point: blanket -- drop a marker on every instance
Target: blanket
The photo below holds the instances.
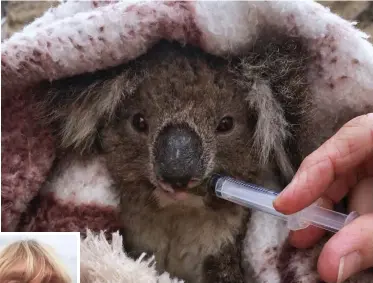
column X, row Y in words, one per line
column 83, row 36
column 104, row 261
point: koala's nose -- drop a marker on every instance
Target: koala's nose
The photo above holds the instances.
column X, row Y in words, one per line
column 178, row 152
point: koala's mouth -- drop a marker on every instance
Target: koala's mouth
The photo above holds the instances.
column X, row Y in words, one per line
column 181, row 193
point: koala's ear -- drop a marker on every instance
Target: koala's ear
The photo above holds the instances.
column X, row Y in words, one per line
column 271, row 131
column 274, row 77
column 75, row 106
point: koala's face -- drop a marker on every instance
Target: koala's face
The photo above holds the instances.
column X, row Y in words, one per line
column 185, row 121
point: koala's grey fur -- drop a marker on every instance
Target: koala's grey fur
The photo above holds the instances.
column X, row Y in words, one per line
column 265, row 91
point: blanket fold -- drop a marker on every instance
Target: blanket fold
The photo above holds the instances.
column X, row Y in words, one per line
column 106, row 262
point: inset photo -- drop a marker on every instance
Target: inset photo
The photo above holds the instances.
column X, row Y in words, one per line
column 40, row 257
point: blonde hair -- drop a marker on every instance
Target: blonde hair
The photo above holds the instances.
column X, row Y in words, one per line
column 28, row 261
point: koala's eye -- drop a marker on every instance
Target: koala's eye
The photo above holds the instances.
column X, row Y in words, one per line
column 225, row 125
column 139, row 123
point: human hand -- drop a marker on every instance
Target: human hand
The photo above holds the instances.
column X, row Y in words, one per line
column 342, row 165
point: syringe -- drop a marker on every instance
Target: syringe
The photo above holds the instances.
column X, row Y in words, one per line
column 259, row 198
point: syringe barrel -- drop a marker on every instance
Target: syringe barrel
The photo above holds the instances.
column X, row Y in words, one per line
column 259, row 198
column 245, row 194
column 330, row 220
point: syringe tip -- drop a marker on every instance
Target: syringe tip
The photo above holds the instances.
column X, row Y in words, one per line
column 212, row 182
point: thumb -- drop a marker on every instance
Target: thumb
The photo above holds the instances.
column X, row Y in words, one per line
column 348, row 252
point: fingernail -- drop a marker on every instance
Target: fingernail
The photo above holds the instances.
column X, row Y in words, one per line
column 276, row 201
column 348, row 265
column 284, row 192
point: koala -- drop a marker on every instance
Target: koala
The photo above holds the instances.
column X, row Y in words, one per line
column 165, row 122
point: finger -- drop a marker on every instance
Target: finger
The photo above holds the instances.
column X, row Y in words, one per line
column 348, row 252
column 338, row 189
column 308, row 237
column 351, row 146
column 361, row 197
column 369, row 167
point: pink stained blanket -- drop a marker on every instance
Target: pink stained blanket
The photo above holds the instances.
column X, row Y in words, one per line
column 78, row 37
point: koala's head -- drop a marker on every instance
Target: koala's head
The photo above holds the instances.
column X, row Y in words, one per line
column 186, row 119
column 170, row 118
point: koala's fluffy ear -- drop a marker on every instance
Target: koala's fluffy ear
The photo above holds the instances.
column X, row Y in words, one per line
column 271, row 131
column 75, row 106
column 274, row 79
